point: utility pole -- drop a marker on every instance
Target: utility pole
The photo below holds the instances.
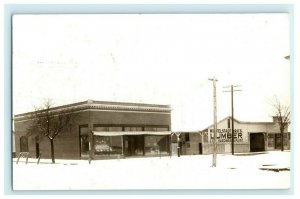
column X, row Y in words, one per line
column 214, row 164
column 232, row 114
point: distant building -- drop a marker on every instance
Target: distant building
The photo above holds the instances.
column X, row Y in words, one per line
column 248, row 137
column 102, row 130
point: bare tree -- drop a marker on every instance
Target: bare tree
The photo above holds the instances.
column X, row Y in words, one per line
column 282, row 113
column 49, row 122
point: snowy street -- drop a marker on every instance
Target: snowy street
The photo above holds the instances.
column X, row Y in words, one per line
column 268, row 170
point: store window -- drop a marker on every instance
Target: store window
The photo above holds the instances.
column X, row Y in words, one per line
column 156, row 145
column 115, row 128
column 116, row 145
column 187, row 137
column 108, row 145
column 107, row 128
column 271, row 140
column 133, row 128
column 277, row 141
column 162, row 129
column 101, row 128
column 285, row 139
column 156, row 129
column 102, row 145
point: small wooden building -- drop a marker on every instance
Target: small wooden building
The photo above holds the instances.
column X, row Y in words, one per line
column 248, row 137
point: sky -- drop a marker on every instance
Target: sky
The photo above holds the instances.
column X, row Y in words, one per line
column 157, row 59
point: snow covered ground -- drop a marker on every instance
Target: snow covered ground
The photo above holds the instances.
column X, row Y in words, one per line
column 185, row 172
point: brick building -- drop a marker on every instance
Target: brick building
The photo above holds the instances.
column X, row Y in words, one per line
column 102, row 130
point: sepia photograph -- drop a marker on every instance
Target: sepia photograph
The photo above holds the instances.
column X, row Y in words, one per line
column 151, row 101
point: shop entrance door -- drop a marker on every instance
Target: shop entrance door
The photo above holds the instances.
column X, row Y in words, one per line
column 257, row 142
column 134, row 145
column 37, row 147
column 200, row 148
column 84, row 145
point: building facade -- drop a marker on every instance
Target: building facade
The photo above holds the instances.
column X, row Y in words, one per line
column 248, row 137
column 101, row 130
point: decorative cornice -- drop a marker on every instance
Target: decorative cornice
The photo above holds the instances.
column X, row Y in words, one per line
column 129, row 108
column 99, row 105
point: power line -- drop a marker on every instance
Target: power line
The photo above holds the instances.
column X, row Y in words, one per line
column 232, row 90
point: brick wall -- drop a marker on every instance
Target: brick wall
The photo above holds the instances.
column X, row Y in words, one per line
column 67, row 144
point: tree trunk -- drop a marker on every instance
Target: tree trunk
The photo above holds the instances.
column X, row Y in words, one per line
column 282, row 145
column 52, row 150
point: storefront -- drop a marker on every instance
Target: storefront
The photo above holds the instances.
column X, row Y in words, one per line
column 247, row 137
column 130, row 143
column 102, row 130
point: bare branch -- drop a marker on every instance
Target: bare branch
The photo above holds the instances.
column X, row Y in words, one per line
column 282, row 113
column 50, row 122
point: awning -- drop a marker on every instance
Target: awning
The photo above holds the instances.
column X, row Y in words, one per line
column 118, row 133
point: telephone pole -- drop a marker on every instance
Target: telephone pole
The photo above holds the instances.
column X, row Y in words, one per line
column 214, row 164
column 232, row 114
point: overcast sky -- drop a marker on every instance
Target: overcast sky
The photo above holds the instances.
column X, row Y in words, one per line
column 164, row 59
